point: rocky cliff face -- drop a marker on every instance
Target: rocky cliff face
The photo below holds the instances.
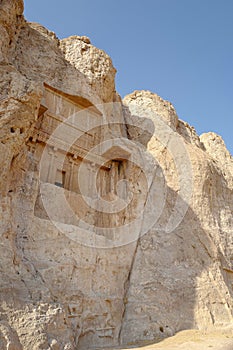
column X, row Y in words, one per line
column 116, row 217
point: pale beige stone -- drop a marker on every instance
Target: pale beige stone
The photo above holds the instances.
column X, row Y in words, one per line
column 79, row 271
column 94, row 63
column 154, row 105
column 216, row 148
column 11, row 19
column 167, row 273
column 193, row 340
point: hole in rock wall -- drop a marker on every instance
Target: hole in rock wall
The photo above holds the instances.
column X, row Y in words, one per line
column 161, row 329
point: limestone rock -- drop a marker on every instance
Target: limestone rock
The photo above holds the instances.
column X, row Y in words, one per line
column 165, row 261
column 95, row 64
column 116, row 221
column 45, row 32
column 147, row 103
column 216, row 148
column 38, row 57
column 10, row 21
column 20, row 97
column 139, row 129
column 189, row 133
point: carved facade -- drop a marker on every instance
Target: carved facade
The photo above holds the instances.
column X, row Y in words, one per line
column 67, row 135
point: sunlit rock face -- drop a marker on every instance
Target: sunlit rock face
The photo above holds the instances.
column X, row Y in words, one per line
column 116, row 218
column 94, row 63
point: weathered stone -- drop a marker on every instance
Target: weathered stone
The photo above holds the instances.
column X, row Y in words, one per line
column 95, row 64
column 216, row 148
column 146, row 104
column 10, row 23
column 167, row 289
column 116, row 219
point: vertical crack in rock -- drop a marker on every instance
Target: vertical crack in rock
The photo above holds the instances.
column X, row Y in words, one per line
column 127, row 282
column 126, row 289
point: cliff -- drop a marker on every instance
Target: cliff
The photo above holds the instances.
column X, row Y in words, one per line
column 116, row 217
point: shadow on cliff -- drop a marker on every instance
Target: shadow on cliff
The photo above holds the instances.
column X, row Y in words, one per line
column 178, row 281
column 172, row 276
column 170, row 286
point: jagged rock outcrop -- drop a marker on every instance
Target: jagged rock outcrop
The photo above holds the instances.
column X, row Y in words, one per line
column 116, row 218
column 169, row 281
column 11, row 14
column 216, row 148
column 95, row 64
column 147, row 104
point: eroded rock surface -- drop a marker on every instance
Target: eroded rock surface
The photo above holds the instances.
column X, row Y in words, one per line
column 146, row 252
column 94, row 63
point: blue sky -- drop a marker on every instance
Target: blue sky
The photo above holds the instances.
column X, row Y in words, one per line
column 179, row 49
